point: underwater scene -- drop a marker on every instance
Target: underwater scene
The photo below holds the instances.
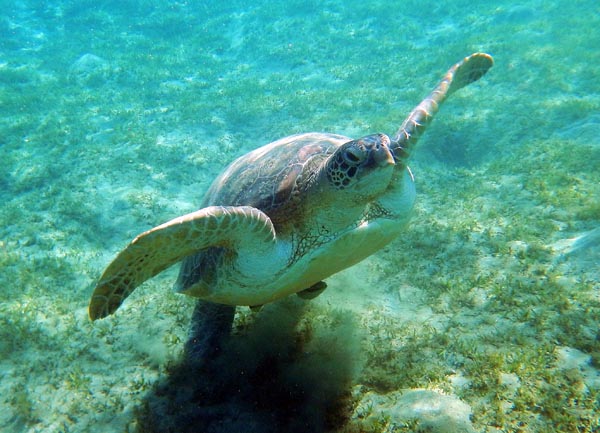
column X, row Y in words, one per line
column 481, row 316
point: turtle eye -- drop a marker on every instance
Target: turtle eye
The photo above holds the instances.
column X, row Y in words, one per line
column 354, row 156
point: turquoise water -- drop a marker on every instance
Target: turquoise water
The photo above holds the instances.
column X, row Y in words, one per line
column 116, row 116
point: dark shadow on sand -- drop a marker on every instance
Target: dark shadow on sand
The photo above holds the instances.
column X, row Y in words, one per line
column 276, row 374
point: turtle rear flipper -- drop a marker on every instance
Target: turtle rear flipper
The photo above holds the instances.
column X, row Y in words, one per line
column 240, row 228
column 313, row 291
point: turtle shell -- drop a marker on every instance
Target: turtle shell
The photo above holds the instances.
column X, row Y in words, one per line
column 272, row 178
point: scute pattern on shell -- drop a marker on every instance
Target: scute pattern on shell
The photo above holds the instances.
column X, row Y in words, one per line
column 272, row 178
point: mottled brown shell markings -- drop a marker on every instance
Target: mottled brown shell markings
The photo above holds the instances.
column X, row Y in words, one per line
column 271, row 186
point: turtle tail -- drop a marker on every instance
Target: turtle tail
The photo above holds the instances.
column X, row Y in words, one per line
column 468, row 70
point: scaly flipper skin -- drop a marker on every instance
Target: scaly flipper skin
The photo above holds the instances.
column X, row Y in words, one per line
column 242, row 228
column 468, row 70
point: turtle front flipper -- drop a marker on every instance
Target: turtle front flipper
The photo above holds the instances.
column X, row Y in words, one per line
column 468, row 70
column 232, row 227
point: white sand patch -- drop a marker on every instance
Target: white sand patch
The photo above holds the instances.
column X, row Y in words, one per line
column 360, row 288
column 426, row 409
column 569, row 358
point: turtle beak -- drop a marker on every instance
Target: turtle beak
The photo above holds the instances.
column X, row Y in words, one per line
column 383, row 156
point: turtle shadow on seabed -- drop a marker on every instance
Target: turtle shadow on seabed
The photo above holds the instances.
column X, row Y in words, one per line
column 273, row 375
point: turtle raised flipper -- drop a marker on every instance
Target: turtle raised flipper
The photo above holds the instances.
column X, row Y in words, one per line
column 468, row 70
column 242, row 228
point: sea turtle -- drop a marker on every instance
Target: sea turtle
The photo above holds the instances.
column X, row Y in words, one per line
column 284, row 217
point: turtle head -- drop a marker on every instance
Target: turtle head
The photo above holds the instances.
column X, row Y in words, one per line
column 363, row 166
